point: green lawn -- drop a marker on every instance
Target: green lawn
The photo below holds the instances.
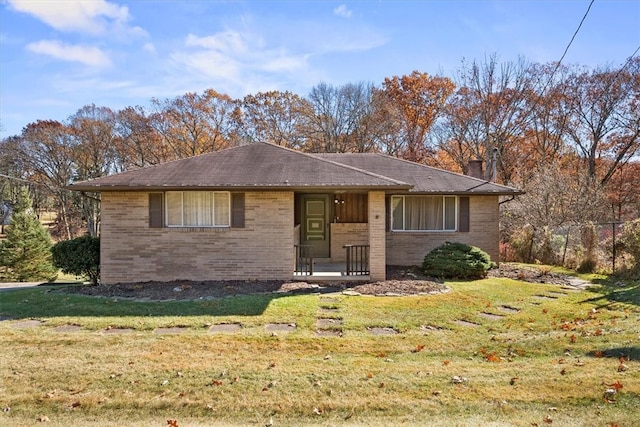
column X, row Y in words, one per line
column 490, row 352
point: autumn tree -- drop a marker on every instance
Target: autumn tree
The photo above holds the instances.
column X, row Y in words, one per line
column 94, row 155
column 605, row 122
column 275, row 117
column 340, row 118
column 194, row 124
column 487, row 115
column 419, row 100
column 137, row 143
column 46, row 150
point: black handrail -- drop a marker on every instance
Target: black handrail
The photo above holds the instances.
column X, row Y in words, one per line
column 304, row 259
column 357, row 260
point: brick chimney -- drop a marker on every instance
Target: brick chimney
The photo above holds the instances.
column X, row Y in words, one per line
column 474, row 169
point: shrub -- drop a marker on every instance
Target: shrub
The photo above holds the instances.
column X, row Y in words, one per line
column 629, row 241
column 80, row 256
column 457, row 260
column 26, row 251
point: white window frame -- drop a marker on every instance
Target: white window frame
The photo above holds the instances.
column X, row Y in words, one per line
column 444, row 217
column 213, row 198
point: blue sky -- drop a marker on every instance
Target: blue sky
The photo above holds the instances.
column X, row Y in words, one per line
column 58, row 56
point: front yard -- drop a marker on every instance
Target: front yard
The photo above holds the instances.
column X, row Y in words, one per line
column 488, row 352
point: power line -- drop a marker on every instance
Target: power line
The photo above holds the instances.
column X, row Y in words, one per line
column 575, row 33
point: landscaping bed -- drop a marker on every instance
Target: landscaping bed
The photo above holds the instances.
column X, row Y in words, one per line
column 401, row 280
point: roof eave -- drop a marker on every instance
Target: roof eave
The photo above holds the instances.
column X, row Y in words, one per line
column 261, row 187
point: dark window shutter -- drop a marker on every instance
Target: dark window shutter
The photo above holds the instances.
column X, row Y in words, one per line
column 463, row 219
column 156, row 210
column 237, row 210
column 387, row 213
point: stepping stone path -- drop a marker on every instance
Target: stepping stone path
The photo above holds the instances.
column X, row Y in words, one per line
column 383, row 331
column 491, row 316
column 328, row 324
column 280, row 327
column 467, row 323
column 509, row 309
column 225, row 328
column 27, row 324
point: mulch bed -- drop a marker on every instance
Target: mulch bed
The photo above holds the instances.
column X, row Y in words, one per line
column 400, row 281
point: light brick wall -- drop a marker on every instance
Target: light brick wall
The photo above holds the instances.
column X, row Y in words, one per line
column 377, row 251
column 409, row 248
column 347, row 234
column 133, row 252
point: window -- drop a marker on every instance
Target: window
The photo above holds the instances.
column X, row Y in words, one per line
column 198, row 209
column 423, row 213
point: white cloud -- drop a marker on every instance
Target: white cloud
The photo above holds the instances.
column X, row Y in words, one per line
column 343, row 11
column 149, row 47
column 88, row 55
column 92, row 17
column 233, row 55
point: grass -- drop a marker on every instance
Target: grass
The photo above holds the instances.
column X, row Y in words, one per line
column 550, row 357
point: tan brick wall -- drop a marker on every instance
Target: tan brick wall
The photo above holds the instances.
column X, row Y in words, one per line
column 377, row 252
column 409, row 248
column 133, row 252
column 347, row 234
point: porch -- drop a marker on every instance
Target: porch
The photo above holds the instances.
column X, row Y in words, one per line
column 354, row 269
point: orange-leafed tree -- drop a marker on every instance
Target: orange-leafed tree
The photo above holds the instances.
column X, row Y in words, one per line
column 194, row 124
column 419, row 100
column 137, row 143
column 275, row 117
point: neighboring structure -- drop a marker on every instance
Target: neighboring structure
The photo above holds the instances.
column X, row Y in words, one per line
column 6, row 211
column 259, row 211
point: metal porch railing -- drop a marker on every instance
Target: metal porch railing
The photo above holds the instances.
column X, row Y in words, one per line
column 304, row 259
column 357, row 260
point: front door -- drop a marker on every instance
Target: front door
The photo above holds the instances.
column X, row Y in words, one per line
column 315, row 224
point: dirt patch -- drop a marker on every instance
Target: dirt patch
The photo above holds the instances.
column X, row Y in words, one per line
column 530, row 274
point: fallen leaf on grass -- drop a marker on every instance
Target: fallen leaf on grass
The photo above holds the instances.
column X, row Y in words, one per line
column 616, row 386
column 513, row 380
column 492, row 357
column 446, row 362
column 418, row 349
column 172, row 423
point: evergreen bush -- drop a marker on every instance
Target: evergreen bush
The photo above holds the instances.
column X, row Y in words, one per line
column 79, row 256
column 26, row 252
column 457, row 260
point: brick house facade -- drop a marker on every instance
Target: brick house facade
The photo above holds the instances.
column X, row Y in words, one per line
column 238, row 214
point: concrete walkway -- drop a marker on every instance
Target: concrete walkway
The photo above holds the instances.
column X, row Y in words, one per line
column 11, row 286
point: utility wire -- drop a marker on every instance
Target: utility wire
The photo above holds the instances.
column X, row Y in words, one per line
column 553, row 73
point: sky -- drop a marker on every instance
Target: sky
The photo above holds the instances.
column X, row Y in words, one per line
column 57, row 56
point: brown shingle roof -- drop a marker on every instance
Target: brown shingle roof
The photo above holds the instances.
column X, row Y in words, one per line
column 271, row 167
column 252, row 166
column 424, row 179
